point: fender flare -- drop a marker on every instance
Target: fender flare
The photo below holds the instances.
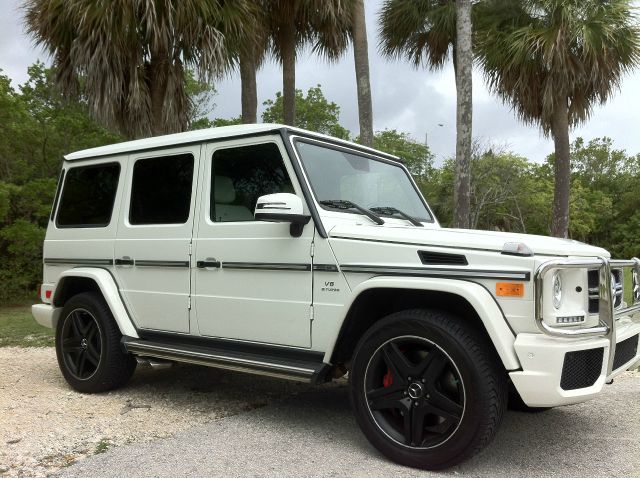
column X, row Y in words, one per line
column 110, row 292
column 478, row 297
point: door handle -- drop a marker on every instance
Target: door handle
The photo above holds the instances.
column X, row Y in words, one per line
column 124, row 261
column 208, row 262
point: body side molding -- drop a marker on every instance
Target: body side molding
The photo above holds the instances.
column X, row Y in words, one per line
column 445, row 272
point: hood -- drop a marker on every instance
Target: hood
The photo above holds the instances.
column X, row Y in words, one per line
column 466, row 239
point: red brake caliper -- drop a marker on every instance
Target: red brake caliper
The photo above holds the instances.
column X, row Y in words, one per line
column 387, row 380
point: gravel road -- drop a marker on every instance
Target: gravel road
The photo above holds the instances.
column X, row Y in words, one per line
column 190, row 421
column 45, row 426
column 314, row 434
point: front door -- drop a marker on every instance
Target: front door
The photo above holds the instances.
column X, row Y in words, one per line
column 154, row 235
column 254, row 280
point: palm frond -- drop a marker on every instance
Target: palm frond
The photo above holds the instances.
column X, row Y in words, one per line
column 420, row 31
column 125, row 50
column 538, row 54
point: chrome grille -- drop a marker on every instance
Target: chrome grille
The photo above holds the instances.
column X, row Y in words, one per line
column 594, row 293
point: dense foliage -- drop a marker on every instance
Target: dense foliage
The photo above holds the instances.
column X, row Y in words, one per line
column 313, row 112
column 510, row 193
column 37, row 127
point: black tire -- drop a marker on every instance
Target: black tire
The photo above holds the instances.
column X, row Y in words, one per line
column 516, row 403
column 88, row 346
column 459, row 388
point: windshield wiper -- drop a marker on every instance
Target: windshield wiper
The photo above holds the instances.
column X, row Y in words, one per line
column 390, row 211
column 342, row 204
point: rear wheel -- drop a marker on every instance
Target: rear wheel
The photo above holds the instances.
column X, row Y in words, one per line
column 426, row 391
column 88, row 346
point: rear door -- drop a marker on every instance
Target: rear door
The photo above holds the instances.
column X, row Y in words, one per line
column 152, row 250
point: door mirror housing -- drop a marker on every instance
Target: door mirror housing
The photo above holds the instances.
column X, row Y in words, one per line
column 282, row 207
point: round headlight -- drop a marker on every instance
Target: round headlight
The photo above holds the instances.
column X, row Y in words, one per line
column 557, row 290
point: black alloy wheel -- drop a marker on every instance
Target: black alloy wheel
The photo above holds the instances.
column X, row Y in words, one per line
column 414, row 392
column 81, row 344
column 88, row 345
column 427, row 387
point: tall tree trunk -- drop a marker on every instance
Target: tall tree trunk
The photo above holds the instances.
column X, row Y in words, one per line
column 249, row 94
column 289, row 74
column 464, row 114
column 361, row 60
column 562, row 170
column 157, row 93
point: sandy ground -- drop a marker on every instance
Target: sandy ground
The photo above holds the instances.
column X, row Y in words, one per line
column 44, row 425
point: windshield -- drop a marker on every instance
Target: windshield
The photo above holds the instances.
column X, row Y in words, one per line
column 370, row 183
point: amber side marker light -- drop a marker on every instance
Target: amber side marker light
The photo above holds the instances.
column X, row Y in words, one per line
column 510, row 289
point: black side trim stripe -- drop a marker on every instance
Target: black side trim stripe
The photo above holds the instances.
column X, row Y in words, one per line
column 84, row 262
column 152, row 263
column 325, row 267
column 437, row 272
column 266, row 266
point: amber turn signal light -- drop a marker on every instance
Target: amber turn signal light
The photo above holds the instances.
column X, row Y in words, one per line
column 510, row 289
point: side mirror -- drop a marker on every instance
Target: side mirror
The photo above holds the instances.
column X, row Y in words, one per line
column 282, row 207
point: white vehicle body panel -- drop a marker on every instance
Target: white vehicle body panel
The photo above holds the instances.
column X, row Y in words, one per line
column 157, row 294
column 475, row 294
column 109, row 290
column 263, row 287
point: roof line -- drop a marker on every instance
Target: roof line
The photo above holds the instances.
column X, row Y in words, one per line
column 208, row 135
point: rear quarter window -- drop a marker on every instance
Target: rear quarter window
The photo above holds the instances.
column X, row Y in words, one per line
column 88, row 196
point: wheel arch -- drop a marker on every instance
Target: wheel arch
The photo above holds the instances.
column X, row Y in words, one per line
column 380, row 296
column 88, row 279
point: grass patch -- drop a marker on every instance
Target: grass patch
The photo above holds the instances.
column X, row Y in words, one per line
column 18, row 328
column 102, row 446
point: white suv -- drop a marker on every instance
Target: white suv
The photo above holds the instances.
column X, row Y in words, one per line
column 277, row 251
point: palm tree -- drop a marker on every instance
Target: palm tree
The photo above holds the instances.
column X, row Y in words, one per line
column 132, row 56
column 426, row 33
column 363, row 83
column 464, row 113
column 292, row 24
column 553, row 60
column 248, row 55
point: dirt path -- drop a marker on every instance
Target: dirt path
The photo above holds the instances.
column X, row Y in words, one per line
column 45, row 426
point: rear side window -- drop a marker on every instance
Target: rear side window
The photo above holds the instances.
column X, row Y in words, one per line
column 88, row 196
column 161, row 190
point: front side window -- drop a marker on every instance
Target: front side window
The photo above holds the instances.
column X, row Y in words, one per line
column 239, row 176
column 338, row 175
column 88, row 196
column 161, row 190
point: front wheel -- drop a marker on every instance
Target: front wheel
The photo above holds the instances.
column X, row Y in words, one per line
column 88, row 346
column 426, row 390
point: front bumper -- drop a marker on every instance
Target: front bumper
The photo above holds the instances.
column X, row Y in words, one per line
column 549, row 374
column 570, row 365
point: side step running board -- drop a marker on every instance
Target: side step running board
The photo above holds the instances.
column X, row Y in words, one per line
column 292, row 369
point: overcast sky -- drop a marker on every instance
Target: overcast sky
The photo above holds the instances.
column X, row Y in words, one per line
column 415, row 101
